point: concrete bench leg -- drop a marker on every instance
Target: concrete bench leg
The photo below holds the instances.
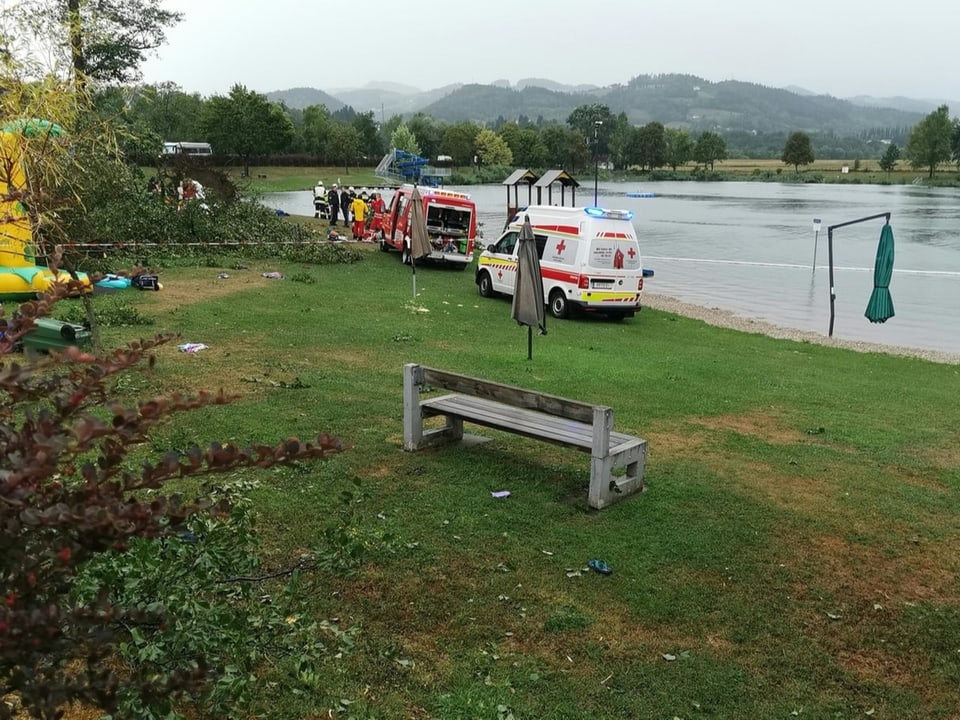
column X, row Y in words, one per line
column 415, row 437
column 607, row 488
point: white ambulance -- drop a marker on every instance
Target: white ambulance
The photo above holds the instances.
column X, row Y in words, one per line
column 589, row 260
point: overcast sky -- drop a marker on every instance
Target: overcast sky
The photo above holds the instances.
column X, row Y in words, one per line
column 838, row 47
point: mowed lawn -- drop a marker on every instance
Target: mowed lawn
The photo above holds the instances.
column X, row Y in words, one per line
column 795, row 553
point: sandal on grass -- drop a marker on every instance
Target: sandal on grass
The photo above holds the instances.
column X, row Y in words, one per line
column 600, row 566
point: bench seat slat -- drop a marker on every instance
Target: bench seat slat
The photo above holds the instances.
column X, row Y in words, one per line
column 531, row 423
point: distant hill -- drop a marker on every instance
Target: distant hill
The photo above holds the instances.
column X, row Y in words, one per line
column 925, row 106
column 388, row 98
column 392, row 87
column 551, row 85
column 301, row 97
column 684, row 101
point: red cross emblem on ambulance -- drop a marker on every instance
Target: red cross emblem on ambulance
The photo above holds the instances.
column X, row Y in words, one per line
column 561, row 246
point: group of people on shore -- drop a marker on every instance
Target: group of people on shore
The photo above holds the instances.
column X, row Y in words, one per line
column 186, row 190
column 362, row 212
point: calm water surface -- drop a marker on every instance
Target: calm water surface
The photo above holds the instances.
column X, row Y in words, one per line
column 749, row 248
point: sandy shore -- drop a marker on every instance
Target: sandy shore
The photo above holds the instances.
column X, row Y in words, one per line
column 726, row 319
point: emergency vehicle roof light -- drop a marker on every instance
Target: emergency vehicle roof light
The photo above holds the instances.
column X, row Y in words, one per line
column 611, row 214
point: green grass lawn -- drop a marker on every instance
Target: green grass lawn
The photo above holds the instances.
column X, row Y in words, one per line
column 795, row 553
column 281, row 179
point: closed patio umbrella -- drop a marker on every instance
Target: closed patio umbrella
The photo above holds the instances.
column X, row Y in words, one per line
column 528, row 305
column 880, row 307
column 417, row 230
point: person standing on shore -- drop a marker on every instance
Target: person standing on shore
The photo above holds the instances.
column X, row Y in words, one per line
column 358, row 208
column 345, row 200
column 333, row 203
column 377, row 207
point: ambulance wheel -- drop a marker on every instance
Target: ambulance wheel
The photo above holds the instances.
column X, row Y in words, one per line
column 405, row 256
column 383, row 245
column 559, row 307
column 486, row 285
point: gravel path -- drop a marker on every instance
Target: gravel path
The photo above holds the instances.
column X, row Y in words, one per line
column 727, row 319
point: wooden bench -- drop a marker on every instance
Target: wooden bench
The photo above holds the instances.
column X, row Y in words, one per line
column 557, row 420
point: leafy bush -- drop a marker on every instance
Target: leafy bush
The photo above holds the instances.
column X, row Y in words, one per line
column 109, row 311
column 211, row 606
column 76, row 492
column 120, row 221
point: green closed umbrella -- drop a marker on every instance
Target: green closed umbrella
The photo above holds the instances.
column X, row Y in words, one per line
column 33, row 127
column 880, row 307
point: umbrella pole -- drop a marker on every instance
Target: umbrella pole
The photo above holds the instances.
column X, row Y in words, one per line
column 413, row 265
column 529, row 343
column 830, row 229
column 833, row 294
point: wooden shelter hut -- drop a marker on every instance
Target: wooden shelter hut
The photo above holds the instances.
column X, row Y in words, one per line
column 556, row 177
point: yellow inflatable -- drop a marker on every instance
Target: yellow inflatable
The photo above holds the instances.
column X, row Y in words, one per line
column 20, row 277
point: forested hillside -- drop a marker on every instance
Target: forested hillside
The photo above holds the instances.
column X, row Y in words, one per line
column 682, row 101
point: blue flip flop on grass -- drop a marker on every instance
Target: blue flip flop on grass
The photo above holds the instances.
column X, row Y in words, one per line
column 600, row 566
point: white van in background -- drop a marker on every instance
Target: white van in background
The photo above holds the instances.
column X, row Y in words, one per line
column 193, row 149
column 589, row 260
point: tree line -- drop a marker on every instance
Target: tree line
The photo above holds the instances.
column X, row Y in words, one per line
column 246, row 125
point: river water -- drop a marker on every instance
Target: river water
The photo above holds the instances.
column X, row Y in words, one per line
column 749, row 248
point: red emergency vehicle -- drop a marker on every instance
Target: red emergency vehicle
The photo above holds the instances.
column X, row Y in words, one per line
column 451, row 224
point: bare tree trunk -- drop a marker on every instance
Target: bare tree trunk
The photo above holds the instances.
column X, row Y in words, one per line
column 79, row 61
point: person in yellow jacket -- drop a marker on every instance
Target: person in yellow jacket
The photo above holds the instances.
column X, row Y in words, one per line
column 359, row 210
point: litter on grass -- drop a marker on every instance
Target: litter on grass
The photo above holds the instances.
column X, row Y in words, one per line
column 500, row 493
column 273, row 275
column 192, row 347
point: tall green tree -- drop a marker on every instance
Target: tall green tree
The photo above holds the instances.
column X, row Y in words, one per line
column 428, row 133
column 955, row 142
column 584, row 118
column 459, row 142
column 404, row 139
column 566, row 147
column 930, row 141
column 344, row 144
column 889, row 160
column 169, row 112
column 371, row 149
column 492, row 149
column 797, row 151
column 709, row 148
column 618, row 142
column 679, row 147
column 650, row 146
column 246, row 124
column 316, row 130
column 105, row 41
column 531, row 151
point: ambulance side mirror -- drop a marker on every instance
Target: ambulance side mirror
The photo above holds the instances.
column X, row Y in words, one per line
column 492, row 247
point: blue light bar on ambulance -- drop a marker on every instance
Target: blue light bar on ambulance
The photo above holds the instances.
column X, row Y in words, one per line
column 610, row 214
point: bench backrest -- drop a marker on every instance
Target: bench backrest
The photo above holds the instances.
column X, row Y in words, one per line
column 508, row 394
